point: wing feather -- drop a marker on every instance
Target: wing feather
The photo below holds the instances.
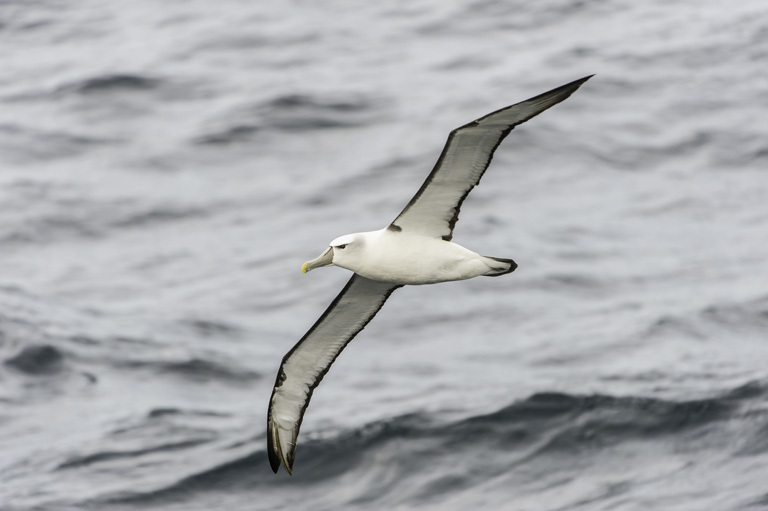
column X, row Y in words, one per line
column 305, row 365
column 434, row 210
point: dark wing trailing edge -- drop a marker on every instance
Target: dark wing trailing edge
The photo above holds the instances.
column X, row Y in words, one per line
column 305, row 365
column 434, row 209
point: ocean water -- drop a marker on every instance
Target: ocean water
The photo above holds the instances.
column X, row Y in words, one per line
column 165, row 168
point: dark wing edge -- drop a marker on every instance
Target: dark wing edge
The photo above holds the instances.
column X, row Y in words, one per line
column 530, row 108
column 360, row 293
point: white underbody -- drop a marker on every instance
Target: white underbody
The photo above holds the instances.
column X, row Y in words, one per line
column 402, row 258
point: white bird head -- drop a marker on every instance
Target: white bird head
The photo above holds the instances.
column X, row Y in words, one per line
column 345, row 251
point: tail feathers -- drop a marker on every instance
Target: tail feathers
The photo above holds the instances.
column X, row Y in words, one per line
column 498, row 266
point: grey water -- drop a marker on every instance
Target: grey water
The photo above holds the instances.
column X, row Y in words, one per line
column 166, row 167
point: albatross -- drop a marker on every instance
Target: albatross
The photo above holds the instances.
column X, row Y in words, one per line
column 414, row 249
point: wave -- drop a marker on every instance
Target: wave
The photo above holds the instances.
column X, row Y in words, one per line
column 195, row 369
column 212, row 328
column 158, row 215
column 87, row 219
column 101, row 456
column 39, row 359
column 99, row 87
column 290, row 113
column 111, row 83
column 545, row 429
column 750, row 316
column 23, row 143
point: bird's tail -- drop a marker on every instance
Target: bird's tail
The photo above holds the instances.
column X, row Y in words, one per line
column 498, row 266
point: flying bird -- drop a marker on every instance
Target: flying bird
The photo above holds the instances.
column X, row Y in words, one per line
column 416, row 248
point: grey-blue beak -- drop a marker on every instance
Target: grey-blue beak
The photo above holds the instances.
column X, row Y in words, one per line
column 324, row 259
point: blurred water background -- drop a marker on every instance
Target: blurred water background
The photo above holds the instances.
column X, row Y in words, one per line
column 166, row 167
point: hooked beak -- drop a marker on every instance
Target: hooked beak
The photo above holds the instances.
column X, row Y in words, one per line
column 324, row 259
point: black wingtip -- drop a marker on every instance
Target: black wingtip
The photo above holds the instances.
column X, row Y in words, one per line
column 565, row 90
column 581, row 80
column 537, row 104
column 570, row 87
column 275, row 466
column 274, row 458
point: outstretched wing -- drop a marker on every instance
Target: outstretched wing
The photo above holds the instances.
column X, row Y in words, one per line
column 434, row 209
column 305, row 365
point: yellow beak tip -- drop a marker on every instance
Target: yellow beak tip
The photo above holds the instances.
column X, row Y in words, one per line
column 304, row 268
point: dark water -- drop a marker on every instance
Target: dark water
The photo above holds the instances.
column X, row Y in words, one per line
column 165, row 168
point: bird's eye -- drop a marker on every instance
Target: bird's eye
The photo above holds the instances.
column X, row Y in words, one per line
column 342, row 246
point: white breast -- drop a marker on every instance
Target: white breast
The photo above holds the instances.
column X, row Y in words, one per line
column 402, row 258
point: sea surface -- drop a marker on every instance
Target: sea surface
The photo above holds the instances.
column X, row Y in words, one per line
column 166, row 167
